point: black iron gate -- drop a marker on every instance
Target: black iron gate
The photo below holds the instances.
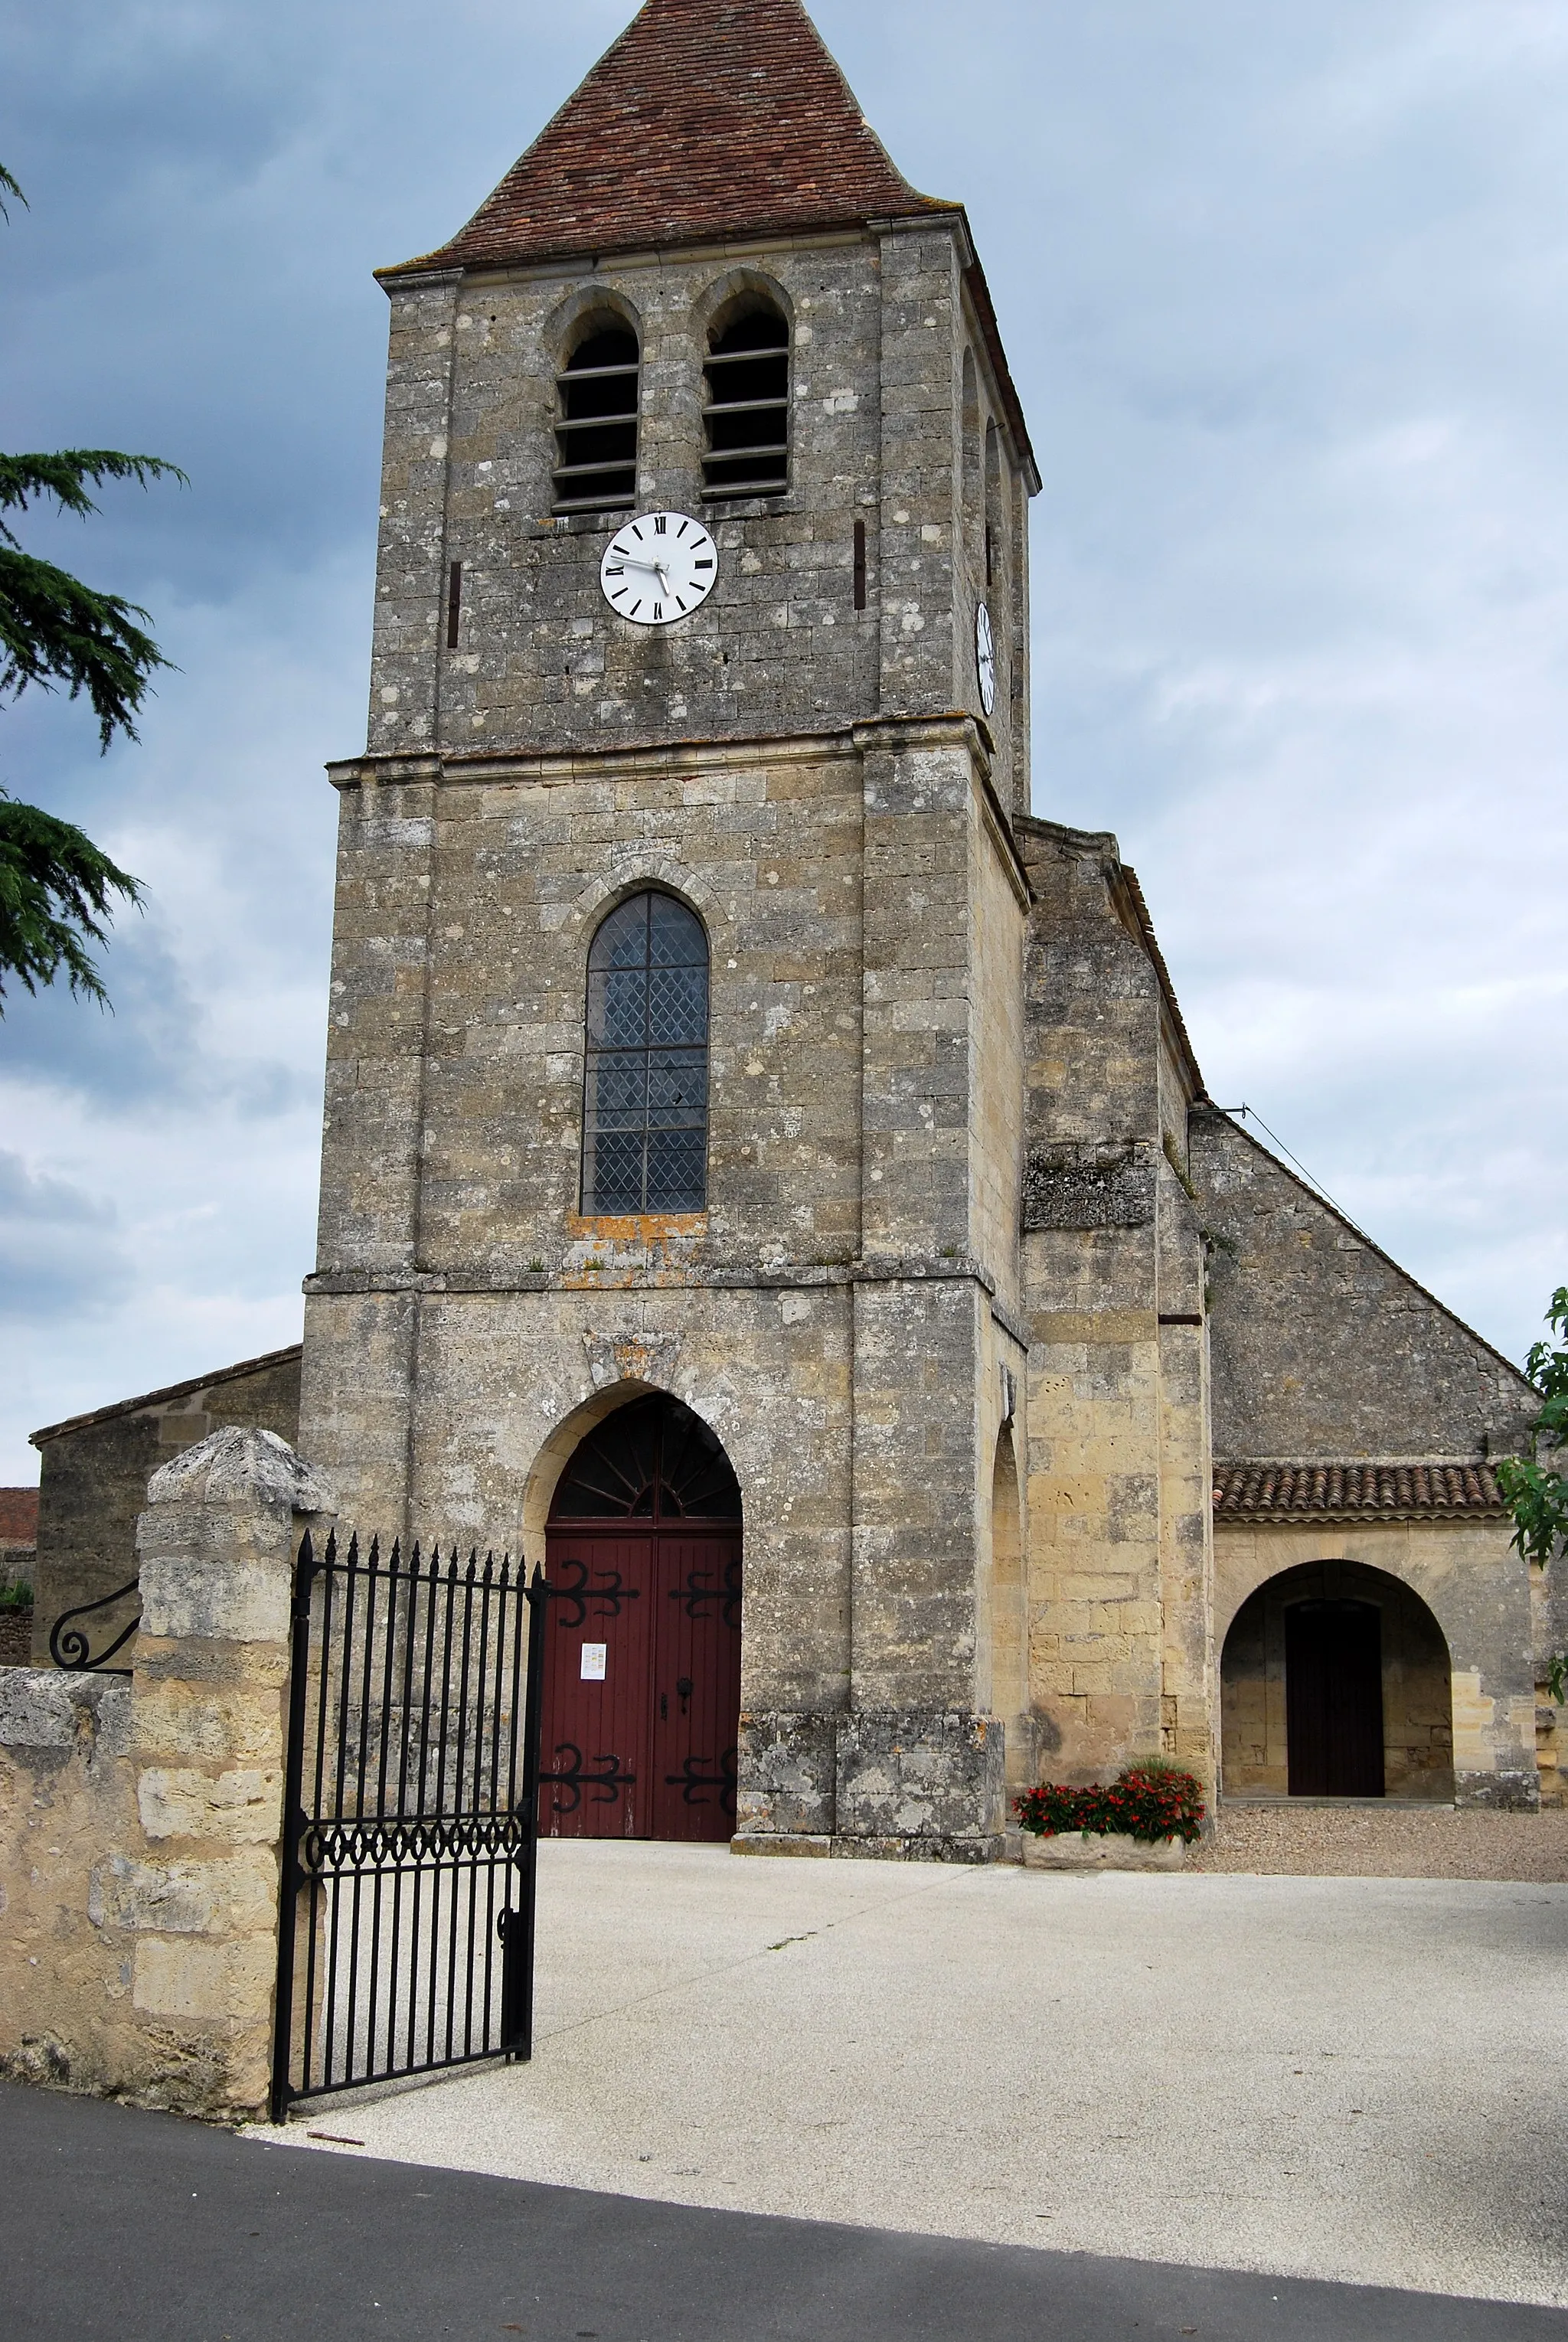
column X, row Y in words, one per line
column 411, row 1818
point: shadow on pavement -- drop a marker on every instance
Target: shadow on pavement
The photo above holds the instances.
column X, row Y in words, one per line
column 151, row 2229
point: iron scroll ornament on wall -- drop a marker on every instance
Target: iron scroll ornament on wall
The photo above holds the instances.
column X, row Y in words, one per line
column 698, row 1592
column 71, row 1649
column 610, row 1591
column 693, row 1781
column 576, row 1778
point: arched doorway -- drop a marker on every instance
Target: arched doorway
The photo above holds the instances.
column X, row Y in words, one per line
column 1335, row 1682
column 642, row 1681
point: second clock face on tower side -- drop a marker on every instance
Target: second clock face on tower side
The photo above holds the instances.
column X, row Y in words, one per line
column 986, row 658
column 659, row 569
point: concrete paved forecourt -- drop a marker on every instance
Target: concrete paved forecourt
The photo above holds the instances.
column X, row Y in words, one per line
column 1357, row 2079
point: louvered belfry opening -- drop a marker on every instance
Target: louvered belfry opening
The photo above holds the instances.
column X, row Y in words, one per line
column 646, row 1119
column 600, row 394
column 746, row 412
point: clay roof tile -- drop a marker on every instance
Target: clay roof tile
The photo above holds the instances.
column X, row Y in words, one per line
column 1310, row 1490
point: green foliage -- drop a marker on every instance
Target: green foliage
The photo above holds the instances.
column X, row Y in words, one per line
column 1149, row 1802
column 55, row 891
column 58, row 633
column 1548, row 1370
column 1536, row 1494
column 1538, row 1500
column 16, row 1596
column 53, row 630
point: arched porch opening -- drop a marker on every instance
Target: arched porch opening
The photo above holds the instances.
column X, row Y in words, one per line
column 1335, row 1682
column 642, row 1663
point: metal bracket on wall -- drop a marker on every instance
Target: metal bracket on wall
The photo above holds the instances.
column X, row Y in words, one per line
column 71, row 1649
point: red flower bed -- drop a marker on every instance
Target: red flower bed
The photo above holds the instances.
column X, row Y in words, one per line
column 1148, row 1807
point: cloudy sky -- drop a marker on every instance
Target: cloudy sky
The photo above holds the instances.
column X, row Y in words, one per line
column 1283, row 289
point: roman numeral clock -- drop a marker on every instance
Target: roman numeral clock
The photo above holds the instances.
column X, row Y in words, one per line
column 659, row 569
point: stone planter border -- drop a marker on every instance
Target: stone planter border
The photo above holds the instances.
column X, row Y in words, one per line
column 1114, row 1850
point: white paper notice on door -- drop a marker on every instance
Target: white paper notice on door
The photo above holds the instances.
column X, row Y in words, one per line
column 596, row 1659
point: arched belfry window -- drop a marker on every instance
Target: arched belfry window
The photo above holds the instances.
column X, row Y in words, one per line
column 646, row 1119
column 599, row 390
column 746, row 408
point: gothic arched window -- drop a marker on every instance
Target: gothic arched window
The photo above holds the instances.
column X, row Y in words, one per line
column 599, row 388
column 646, row 1103
column 745, row 407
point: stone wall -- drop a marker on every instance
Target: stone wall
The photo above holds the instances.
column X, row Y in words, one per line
column 18, row 1572
column 95, row 1469
column 1323, row 1347
column 140, row 1819
column 18, row 1536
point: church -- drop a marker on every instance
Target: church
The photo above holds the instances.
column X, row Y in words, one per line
column 766, row 1175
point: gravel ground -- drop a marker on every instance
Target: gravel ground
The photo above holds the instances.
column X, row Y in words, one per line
column 1354, row 2078
column 1400, row 1842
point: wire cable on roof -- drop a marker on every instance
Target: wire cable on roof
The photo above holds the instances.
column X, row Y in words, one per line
column 1249, row 1113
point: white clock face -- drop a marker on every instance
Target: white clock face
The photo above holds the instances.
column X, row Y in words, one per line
column 986, row 658
column 659, row 569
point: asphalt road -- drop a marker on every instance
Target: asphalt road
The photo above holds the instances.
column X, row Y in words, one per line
column 149, row 2229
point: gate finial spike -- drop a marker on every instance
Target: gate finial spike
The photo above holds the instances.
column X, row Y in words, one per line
column 489, row 1568
column 354, row 1549
column 472, row 1564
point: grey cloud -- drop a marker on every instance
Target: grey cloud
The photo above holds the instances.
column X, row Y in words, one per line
column 60, row 1252
column 148, row 1051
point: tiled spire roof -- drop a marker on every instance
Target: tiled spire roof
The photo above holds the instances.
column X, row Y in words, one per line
column 706, row 119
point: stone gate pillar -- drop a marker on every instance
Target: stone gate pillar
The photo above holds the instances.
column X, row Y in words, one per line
column 208, row 1718
column 141, row 1824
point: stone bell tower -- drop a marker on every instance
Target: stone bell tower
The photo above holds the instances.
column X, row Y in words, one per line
column 704, row 296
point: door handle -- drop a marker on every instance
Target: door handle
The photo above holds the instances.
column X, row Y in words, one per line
column 685, row 1688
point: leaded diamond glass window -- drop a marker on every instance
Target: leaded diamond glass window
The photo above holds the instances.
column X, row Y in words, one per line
column 645, row 1123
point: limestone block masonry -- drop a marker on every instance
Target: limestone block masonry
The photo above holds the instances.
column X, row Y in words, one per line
column 141, row 1820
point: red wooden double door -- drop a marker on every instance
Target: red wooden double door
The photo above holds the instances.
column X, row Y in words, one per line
column 642, row 1660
